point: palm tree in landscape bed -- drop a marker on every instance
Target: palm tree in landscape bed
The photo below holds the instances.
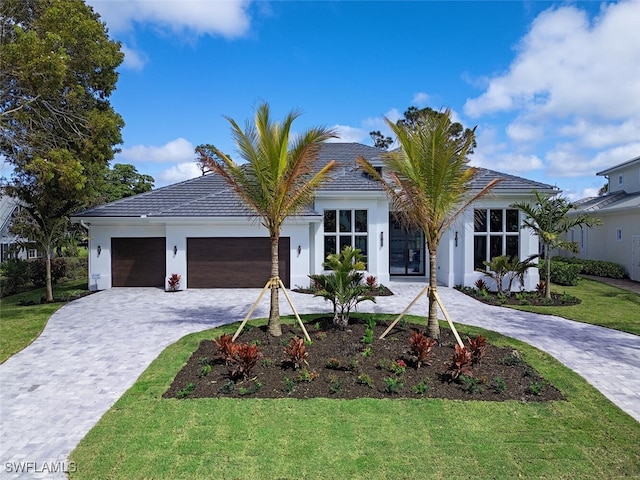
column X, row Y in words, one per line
column 429, row 182
column 548, row 219
column 278, row 179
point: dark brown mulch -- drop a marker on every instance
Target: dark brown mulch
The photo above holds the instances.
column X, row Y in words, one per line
column 500, row 375
column 520, row 299
column 377, row 291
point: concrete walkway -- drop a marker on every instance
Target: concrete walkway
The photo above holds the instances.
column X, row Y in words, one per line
column 55, row 390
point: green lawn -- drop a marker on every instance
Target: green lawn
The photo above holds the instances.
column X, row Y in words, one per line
column 21, row 325
column 145, row 436
column 601, row 304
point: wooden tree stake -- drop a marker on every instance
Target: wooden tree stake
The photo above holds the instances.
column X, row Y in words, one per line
column 274, row 282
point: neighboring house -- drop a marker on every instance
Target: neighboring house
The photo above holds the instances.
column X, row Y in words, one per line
column 618, row 238
column 201, row 230
column 10, row 244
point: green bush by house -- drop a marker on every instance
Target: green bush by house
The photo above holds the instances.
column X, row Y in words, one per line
column 599, row 268
column 562, row 273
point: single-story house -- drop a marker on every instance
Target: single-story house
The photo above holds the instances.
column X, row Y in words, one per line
column 201, row 230
column 618, row 238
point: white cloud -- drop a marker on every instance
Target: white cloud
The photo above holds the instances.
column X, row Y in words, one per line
column 178, row 150
column 133, row 59
column 421, row 99
column 569, row 66
column 523, row 132
column 347, row 133
column 229, row 18
column 178, row 173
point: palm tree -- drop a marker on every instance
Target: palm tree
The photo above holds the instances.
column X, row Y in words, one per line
column 548, row 219
column 430, row 184
column 278, row 179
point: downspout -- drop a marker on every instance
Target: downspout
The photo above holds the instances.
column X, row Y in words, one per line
column 86, row 227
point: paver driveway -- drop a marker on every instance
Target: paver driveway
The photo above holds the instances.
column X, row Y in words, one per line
column 94, row 349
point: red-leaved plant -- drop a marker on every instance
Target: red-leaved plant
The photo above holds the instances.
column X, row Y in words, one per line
column 372, row 281
column 173, row 282
column 246, row 357
column 297, row 352
column 421, row 346
column 460, row 363
column 226, row 347
column 478, row 348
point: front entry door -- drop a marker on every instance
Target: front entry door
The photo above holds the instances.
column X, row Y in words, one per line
column 406, row 249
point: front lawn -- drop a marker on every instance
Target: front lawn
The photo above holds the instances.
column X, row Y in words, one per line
column 146, row 436
column 20, row 325
column 602, row 304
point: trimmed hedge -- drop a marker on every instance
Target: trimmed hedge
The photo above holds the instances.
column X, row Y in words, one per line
column 562, row 273
column 599, row 268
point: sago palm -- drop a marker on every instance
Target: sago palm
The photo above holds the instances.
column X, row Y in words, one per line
column 429, row 182
column 278, row 179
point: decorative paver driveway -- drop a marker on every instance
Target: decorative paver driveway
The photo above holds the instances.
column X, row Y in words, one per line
column 94, row 349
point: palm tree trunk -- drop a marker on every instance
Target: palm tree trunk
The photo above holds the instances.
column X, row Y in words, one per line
column 547, row 287
column 433, row 327
column 274, row 312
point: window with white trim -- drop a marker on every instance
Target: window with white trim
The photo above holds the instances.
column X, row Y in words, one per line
column 618, row 235
column 496, row 233
column 345, row 227
column 620, row 179
column 32, row 253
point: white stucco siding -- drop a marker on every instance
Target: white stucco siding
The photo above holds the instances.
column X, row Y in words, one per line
column 100, row 240
column 377, row 228
column 528, row 243
column 602, row 242
column 177, row 233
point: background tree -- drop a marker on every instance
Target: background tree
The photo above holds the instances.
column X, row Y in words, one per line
column 278, row 179
column 57, row 127
column 380, row 141
column 123, row 180
column 548, row 218
column 430, row 183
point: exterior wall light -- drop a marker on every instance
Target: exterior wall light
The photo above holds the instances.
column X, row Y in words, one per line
column 99, row 250
column 456, row 239
column 299, row 250
column 175, row 250
column 381, row 239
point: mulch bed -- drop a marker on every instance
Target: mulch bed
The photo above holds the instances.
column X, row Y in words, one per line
column 521, row 299
column 344, row 367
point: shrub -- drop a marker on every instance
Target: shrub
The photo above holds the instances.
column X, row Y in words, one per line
column 246, row 357
column 599, row 268
column 14, row 274
column 38, row 270
column 174, row 282
column 297, row 352
column 460, row 363
column 372, row 281
column 421, row 346
column 226, row 347
column 477, row 347
column 393, row 384
column 480, row 285
column 562, row 273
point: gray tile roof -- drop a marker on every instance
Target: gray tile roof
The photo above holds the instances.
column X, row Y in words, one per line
column 509, row 183
column 610, row 203
column 619, row 166
column 210, row 196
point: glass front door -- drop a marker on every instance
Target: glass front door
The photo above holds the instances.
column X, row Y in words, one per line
column 406, row 249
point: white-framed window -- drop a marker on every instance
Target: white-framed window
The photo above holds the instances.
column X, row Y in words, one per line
column 32, row 253
column 496, row 232
column 345, row 227
column 620, row 179
column 618, row 234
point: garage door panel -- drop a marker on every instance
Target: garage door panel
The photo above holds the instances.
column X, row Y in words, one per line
column 138, row 262
column 218, row 262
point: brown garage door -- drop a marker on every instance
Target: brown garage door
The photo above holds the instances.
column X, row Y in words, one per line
column 233, row 262
column 138, row 262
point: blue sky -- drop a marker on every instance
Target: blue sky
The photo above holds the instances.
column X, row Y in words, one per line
column 554, row 88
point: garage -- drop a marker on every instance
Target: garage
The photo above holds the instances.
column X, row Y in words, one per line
column 138, row 262
column 217, row 262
